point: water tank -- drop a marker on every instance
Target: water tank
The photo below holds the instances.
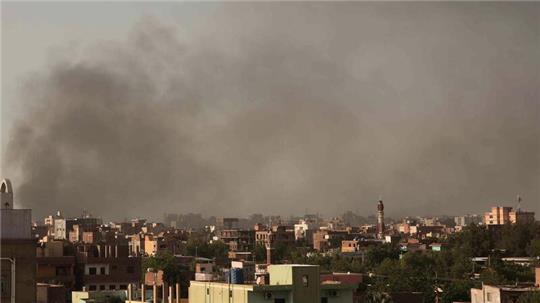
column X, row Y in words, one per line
column 236, row 276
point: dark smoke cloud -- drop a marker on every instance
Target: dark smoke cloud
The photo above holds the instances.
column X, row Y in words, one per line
column 279, row 108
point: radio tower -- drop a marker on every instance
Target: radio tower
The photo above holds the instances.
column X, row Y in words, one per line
column 380, row 219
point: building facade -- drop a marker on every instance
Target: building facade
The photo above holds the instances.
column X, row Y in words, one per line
column 17, row 250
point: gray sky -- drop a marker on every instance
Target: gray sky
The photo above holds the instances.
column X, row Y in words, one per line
column 270, row 107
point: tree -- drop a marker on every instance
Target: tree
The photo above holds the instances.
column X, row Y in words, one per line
column 378, row 297
column 533, row 249
column 457, row 291
column 376, row 254
column 532, row 297
column 172, row 269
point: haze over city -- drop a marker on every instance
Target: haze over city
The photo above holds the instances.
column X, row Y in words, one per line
column 237, row 108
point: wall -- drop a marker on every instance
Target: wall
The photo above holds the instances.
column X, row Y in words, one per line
column 16, row 223
column 219, row 293
column 24, row 252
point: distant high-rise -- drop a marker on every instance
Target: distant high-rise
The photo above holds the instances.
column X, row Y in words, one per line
column 380, row 220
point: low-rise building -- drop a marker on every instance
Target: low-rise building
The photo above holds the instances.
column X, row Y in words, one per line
column 288, row 283
column 499, row 293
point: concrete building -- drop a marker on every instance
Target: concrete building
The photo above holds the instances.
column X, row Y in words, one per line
column 350, row 246
column 55, row 266
column 282, row 235
column 60, row 230
column 467, row 220
column 519, row 216
column 51, row 293
column 238, row 239
column 288, row 283
column 106, row 266
column 500, row 215
column 17, row 250
column 304, row 230
column 499, row 293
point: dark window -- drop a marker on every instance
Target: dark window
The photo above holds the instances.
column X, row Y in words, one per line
column 112, row 286
column 324, row 300
column 102, row 271
column 123, row 286
column 92, row 271
column 5, row 285
column 130, row 269
column 92, row 287
column 279, row 300
column 102, row 287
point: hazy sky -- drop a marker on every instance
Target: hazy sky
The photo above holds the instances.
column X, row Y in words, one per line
column 136, row 109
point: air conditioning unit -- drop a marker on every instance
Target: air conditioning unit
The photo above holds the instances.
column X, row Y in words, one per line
column 268, row 295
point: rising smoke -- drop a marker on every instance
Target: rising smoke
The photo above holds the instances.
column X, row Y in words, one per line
column 278, row 108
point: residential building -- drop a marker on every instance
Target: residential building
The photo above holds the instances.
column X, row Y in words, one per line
column 106, row 266
column 499, row 293
column 520, row 216
column 467, row 220
column 288, row 283
column 56, row 265
column 51, row 293
column 304, row 230
column 17, row 250
column 501, row 215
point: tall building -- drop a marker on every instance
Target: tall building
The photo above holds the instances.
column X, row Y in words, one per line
column 380, row 220
column 17, row 250
column 501, row 215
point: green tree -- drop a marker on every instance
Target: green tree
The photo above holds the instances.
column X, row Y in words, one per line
column 532, row 297
column 172, row 269
column 533, row 249
column 457, row 291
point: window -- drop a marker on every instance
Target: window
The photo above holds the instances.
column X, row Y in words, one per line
column 92, row 271
column 92, row 287
column 102, row 287
column 279, row 300
column 112, row 287
column 102, row 271
column 123, row 286
column 324, row 300
column 305, row 281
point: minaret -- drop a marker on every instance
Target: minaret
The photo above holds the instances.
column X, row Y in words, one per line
column 6, row 194
column 269, row 247
column 380, row 220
